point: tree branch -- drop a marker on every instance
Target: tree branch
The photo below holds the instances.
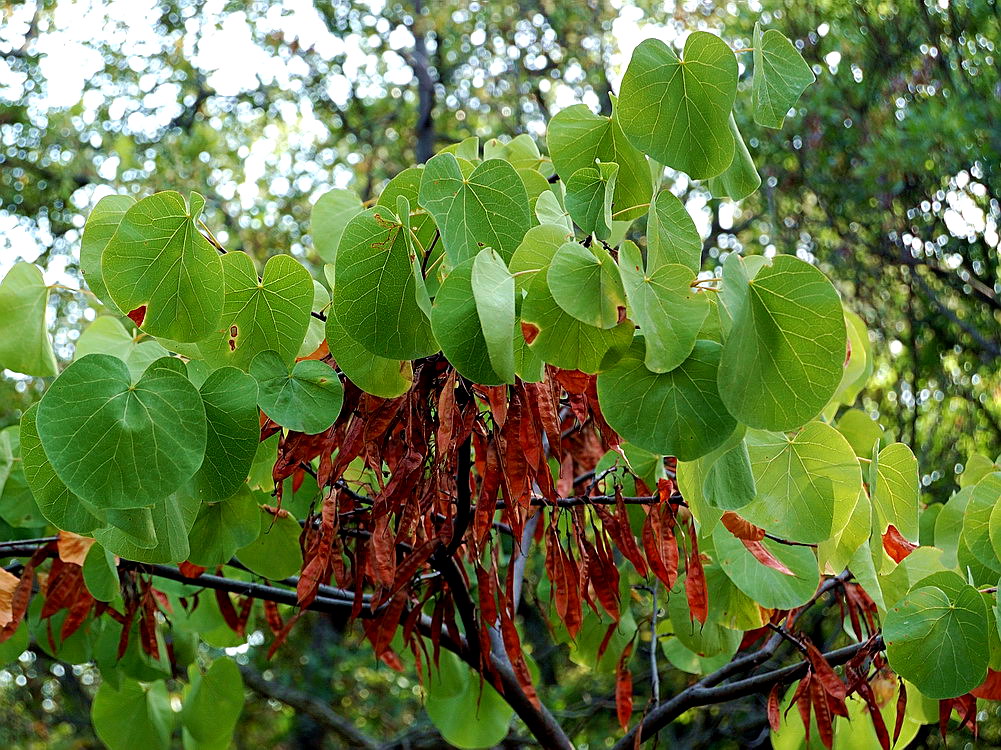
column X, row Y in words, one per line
column 317, row 710
column 709, row 691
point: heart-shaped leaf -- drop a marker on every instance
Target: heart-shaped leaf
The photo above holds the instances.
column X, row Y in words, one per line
column 152, row 430
column 678, row 413
column 663, row 303
column 158, row 259
column 271, row 312
column 489, row 208
column 306, row 398
column 677, row 110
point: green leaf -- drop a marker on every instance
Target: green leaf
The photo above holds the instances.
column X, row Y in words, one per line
column 223, row 527
column 548, row 210
column 17, row 503
column 577, row 138
column 100, row 573
column 711, row 639
column 374, row 289
column 468, row 712
column 107, row 335
column 767, row 586
column 741, row 178
column 230, row 399
column 159, row 258
column 24, row 338
column 327, row 219
column 493, row 290
column 487, row 209
column 861, row 431
column 949, row 525
column 858, row 368
column 896, row 491
column 729, row 482
column 562, row 340
column 61, row 508
column 938, row 640
column 214, row 701
column 663, row 303
column 991, row 486
column 387, row 378
column 172, row 517
column 785, row 352
column 536, row 252
column 781, row 75
column 306, row 398
column 260, row 314
column 589, row 198
column 152, row 432
column 800, row 480
column 407, row 184
column 585, row 282
column 275, row 554
column 133, row 716
column 416, row 255
column 678, row 413
column 671, row 235
column 675, row 110
column 975, row 539
column 977, row 467
column 134, row 526
column 456, row 324
column 521, row 151
column 97, row 232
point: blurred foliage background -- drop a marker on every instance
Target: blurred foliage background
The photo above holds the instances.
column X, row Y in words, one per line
column 888, row 176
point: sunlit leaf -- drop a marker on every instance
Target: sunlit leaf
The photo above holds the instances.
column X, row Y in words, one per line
column 676, row 110
column 780, row 77
column 159, row 259
column 24, row 338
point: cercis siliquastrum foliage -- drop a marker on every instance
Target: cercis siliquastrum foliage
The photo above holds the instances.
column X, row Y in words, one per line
column 513, row 372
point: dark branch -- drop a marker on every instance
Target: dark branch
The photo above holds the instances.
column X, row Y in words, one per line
column 317, row 710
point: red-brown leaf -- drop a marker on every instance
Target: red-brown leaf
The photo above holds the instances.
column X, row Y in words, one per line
column 573, row 381
column 990, row 689
column 825, row 675
column 624, row 688
column 138, row 315
column 604, row 580
column 773, row 708
column 875, row 715
column 656, row 539
column 741, row 528
column 822, row 712
column 902, row 707
column 273, row 617
column 444, row 439
column 9, row 584
column 227, row 610
column 190, row 570
column 695, row 581
column 801, row 699
column 73, row 548
column 896, row 546
column 316, row 567
column 766, row 558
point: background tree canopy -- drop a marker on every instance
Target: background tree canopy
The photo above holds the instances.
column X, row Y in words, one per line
column 887, row 176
